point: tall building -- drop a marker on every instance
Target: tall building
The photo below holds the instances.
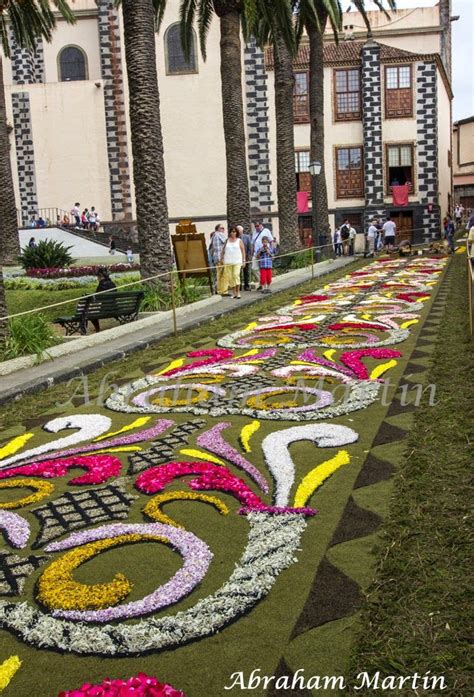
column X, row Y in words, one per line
column 387, row 119
column 463, row 162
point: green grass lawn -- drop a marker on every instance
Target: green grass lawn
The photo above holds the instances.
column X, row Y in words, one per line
column 22, row 300
column 418, row 614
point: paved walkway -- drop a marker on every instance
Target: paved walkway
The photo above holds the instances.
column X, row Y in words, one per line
column 89, row 353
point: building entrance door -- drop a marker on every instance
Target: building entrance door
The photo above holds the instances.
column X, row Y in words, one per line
column 305, row 225
column 404, row 222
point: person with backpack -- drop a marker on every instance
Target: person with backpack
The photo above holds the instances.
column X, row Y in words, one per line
column 345, row 231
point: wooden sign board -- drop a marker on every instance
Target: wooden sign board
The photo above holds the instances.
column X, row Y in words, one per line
column 190, row 251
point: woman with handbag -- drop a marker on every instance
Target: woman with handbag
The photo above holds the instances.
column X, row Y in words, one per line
column 233, row 256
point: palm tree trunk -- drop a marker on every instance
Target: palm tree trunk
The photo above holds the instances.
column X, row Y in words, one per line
column 316, row 109
column 238, row 196
column 9, row 241
column 156, row 255
column 285, row 145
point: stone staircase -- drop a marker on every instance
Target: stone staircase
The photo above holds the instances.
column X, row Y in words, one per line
column 122, row 242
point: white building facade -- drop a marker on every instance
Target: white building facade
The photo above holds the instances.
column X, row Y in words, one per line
column 387, row 118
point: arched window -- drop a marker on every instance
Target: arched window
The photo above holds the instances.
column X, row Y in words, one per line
column 176, row 62
column 72, row 64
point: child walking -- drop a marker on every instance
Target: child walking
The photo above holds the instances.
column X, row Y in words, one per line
column 265, row 262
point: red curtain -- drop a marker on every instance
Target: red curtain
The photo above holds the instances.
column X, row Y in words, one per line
column 302, row 201
column 400, row 195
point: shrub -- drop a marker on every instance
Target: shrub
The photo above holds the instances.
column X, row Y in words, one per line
column 157, row 298
column 31, row 334
column 47, row 254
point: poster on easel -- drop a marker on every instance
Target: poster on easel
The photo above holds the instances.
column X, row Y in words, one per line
column 190, row 251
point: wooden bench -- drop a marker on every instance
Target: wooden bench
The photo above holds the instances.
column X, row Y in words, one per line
column 123, row 307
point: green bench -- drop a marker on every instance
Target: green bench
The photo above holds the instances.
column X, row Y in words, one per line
column 123, row 307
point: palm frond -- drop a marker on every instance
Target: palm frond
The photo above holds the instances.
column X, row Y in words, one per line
column 275, row 15
column 29, row 20
column 206, row 12
column 187, row 12
column 159, row 7
column 360, row 6
column 308, row 13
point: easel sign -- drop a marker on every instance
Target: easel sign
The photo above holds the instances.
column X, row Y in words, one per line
column 190, row 252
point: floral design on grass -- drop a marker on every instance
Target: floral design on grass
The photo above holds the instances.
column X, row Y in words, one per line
column 140, row 685
column 339, row 335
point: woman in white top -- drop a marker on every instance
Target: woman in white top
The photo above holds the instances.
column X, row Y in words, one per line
column 233, row 256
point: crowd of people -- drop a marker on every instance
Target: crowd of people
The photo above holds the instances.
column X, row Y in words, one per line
column 451, row 226
column 236, row 256
column 379, row 235
column 39, row 222
column 344, row 239
column 87, row 220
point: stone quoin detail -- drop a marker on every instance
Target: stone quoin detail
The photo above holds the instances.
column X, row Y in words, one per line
column 427, row 147
column 115, row 115
column 25, row 155
column 258, row 128
column 372, row 127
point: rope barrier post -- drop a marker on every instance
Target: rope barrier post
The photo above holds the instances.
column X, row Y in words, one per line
column 318, row 252
column 312, row 262
column 173, row 303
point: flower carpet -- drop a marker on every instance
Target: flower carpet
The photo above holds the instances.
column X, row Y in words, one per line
column 219, row 513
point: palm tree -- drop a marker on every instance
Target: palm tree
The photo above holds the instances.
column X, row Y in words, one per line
column 313, row 16
column 27, row 20
column 140, row 18
column 279, row 31
column 234, row 15
column 231, row 14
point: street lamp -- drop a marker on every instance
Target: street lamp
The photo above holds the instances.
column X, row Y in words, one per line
column 315, row 170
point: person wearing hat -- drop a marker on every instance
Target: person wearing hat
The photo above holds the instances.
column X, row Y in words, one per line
column 105, row 283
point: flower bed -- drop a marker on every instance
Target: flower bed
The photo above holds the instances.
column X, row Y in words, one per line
column 139, row 686
column 75, row 271
column 61, row 283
